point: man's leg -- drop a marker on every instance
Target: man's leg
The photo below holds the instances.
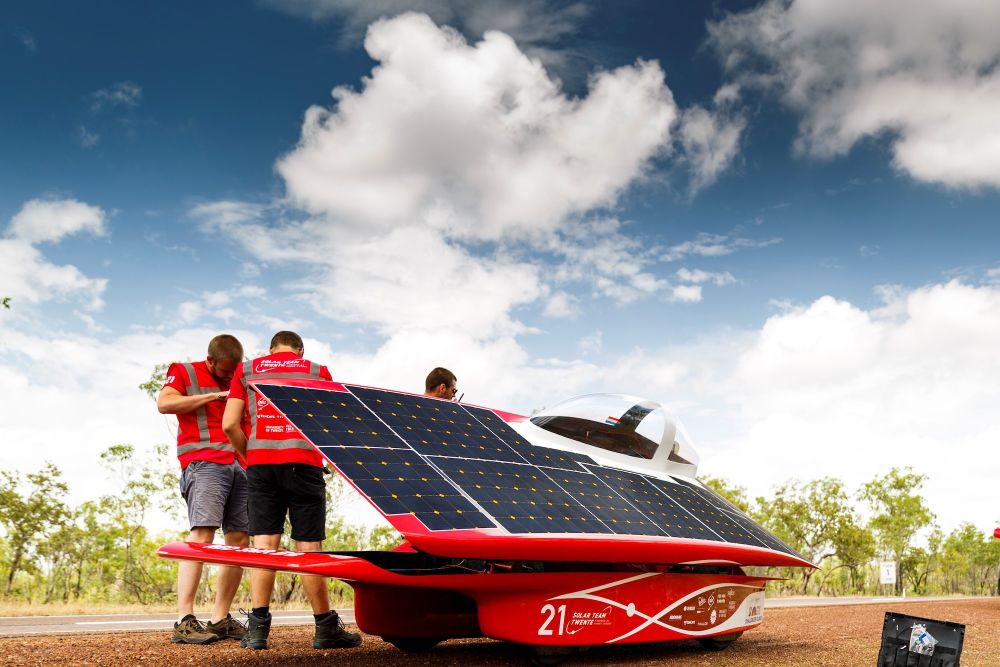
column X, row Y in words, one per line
column 189, row 572
column 262, row 581
column 313, row 584
column 229, row 579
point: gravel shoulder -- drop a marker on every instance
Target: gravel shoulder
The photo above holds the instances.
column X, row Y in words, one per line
column 837, row 636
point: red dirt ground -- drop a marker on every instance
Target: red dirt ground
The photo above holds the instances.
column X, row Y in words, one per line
column 842, row 636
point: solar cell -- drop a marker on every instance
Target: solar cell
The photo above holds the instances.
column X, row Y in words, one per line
column 603, row 502
column 435, row 428
column 747, row 524
column 520, row 497
column 401, row 482
column 665, row 513
column 706, row 512
column 331, row 418
column 540, row 456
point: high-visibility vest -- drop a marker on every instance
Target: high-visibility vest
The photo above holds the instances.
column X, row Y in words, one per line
column 199, row 432
column 272, row 438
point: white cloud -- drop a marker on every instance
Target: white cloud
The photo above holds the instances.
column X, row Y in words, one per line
column 27, row 275
column 710, row 142
column 922, row 75
column 121, row 94
column 49, row 220
column 560, row 305
column 832, row 389
column 475, row 140
column 686, row 293
column 699, row 276
column 713, row 245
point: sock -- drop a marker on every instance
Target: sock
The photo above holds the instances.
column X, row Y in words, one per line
column 322, row 617
column 261, row 612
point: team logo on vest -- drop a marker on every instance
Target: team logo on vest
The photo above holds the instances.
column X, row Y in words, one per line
column 269, row 365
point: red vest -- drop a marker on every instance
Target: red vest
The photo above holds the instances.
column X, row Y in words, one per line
column 273, row 439
column 199, row 433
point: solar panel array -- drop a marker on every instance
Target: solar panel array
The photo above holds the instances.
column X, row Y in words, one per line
column 459, row 467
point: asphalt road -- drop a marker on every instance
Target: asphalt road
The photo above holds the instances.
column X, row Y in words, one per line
column 11, row 626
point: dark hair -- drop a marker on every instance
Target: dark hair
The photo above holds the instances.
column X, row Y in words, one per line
column 289, row 338
column 225, row 347
column 439, row 376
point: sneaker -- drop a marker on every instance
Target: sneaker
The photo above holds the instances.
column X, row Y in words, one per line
column 189, row 630
column 330, row 633
column 257, row 630
column 227, row 628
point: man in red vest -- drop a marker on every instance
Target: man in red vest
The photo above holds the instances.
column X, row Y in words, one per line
column 285, row 477
column 213, row 483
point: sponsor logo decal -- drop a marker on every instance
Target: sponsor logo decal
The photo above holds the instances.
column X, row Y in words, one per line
column 252, row 550
column 271, row 365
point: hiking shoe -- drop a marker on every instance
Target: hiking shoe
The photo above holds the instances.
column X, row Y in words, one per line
column 227, row 628
column 330, row 633
column 257, row 630
column 189, row 630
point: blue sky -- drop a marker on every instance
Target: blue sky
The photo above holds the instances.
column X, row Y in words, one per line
column 779, row 218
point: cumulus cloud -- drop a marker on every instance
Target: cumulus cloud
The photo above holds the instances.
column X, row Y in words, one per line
column 460, row 184
column 924, row 77
column 830, row 388
column 27, row 275
column 475, row 140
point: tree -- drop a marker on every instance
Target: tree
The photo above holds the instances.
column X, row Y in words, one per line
column 152, row 386
column 809, row 518
column 899, row 513
column 5, row 302
column 29, row 517
column 143, row 576
column 918, row 563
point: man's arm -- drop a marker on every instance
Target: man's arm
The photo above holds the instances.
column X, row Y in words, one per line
column 232, row 424
column 173, row 402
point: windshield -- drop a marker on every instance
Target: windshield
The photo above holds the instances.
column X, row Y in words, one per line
column 613, row 422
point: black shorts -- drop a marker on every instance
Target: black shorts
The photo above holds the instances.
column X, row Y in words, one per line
column 292, row 489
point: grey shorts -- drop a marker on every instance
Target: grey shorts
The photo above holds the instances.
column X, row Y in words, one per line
column 216, row 495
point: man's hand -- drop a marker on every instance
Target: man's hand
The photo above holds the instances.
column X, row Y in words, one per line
column 173, row 402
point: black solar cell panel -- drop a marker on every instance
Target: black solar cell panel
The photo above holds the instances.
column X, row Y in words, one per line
column 436, row 428
column 539, row 456
column 664, row 512
column 331, row 418
column 605, row 503
column 738, row 517
column 401, row 482
column 520, row 496
column 461, row 467
column 706, row 512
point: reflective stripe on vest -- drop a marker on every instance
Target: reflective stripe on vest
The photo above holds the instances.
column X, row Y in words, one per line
column 204, row 437
column 248, row 376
